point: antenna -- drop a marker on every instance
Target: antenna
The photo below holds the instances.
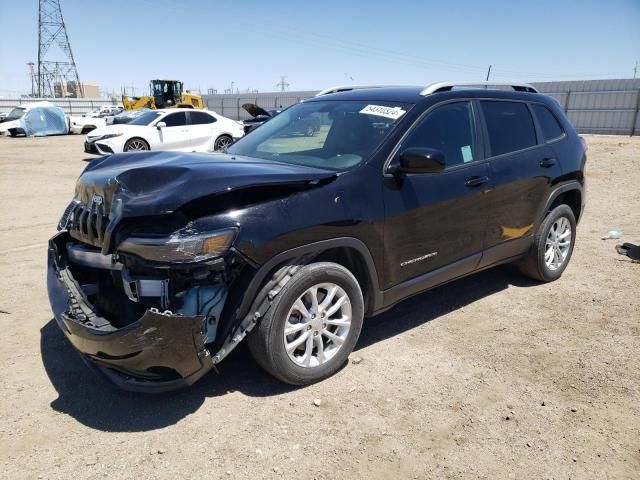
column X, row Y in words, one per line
column 283, row 83
column 488, row 74
column 635, row 70
column 52, row 31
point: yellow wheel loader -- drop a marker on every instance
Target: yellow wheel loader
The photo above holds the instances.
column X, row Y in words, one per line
column 164, row 94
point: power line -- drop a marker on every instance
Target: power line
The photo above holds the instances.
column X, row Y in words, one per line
column 55, row 74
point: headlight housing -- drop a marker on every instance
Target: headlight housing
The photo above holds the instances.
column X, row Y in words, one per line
column 66, row 216
column 109, row 135
column 179, row 248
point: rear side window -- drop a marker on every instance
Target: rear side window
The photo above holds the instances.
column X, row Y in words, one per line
column 177, row 119
column 550, row 126
column 510, row 126
column 201, row 118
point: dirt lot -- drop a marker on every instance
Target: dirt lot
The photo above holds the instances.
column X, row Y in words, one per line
column 490, row 377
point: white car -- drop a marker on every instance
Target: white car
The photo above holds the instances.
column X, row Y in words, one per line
column 13, row 122
column 180, row 129
column 105, row 110
column 85, row 124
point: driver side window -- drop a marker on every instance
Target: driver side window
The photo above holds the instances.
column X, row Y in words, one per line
column 450, row 129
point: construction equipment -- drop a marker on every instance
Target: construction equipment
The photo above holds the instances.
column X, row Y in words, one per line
column 164, row 94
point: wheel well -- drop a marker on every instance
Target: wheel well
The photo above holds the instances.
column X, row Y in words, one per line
column 353, row 261
column 572, row 198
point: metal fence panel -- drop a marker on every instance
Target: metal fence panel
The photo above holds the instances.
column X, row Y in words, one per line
column 71, row 106
column 593, row 106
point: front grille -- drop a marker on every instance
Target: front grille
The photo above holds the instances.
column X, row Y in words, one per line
column 89, row 224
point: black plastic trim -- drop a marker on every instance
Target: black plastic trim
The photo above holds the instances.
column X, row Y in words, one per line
column 316, row 247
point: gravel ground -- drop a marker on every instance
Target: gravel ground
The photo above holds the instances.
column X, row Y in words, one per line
column 489, row 377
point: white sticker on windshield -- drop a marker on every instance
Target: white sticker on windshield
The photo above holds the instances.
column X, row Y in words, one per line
column 380, row 111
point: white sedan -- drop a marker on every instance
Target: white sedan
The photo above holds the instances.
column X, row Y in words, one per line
column 180, row 129
column 85, row 124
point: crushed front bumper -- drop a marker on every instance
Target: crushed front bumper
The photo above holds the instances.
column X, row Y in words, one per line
column 156, row 353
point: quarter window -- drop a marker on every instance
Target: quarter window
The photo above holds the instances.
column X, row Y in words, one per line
column 510, row 126
column 549, row 125
column 448, row 128
column 177, row 119
column 201, row 118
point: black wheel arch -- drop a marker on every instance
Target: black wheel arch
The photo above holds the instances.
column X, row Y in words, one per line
column 571, row 194
column 349, row 252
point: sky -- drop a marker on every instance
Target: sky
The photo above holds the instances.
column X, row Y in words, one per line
column 321, row 43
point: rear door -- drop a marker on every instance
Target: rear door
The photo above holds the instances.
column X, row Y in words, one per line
column 175, row 136
column 434, row 220
column 522, row 169
column 202, row 129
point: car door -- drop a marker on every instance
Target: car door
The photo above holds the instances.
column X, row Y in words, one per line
column 175, row 135
column 522, row 168
column 437, row 220
column 202, row 129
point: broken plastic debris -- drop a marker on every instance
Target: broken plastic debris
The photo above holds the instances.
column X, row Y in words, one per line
column 613, row 234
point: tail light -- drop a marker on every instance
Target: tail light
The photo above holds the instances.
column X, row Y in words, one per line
column 584, row 144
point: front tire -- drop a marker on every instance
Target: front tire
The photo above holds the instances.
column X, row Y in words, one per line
column 552, row 246
column 136, row 145
column 312, row 326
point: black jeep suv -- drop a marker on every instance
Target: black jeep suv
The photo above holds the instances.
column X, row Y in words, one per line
column 165, row 261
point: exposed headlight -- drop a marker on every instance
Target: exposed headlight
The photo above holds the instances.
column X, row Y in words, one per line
column 180, row 249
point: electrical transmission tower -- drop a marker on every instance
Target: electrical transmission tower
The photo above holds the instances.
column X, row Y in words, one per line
column 282, row 84
column 55, row 76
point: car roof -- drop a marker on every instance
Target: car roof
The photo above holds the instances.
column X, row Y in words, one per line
column 417, row 94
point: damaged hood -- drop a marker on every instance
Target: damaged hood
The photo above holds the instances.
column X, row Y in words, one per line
column 155, row 183
column 255, row 111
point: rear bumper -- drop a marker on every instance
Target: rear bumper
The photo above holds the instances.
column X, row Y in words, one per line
column 156, row 353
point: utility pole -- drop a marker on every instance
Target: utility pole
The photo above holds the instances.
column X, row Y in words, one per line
column 283, row 83
column 488, row 73
column 635, row 70
column 32, row 73
column 52, row 31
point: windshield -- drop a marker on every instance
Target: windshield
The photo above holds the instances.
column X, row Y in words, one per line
column 15, row 113
column 146, row 118
column 335, row 135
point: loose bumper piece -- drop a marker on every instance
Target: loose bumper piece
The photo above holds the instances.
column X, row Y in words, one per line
column 158, row 352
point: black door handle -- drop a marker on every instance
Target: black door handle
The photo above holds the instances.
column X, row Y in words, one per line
column 475, row 181
column 547, row 162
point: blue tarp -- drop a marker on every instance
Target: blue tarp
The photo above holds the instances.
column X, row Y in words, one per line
column 45, row 120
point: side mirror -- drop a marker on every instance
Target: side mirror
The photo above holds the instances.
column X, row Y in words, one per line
column 161, row 125
column 419, row 160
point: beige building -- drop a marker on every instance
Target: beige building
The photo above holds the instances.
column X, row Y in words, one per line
column 70, row 90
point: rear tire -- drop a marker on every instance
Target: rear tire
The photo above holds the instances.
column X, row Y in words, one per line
column 323, row 337
column 552, row 246
column 222, row 142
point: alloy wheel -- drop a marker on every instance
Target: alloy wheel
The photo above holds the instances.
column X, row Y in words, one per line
column 558, row 243
column 222, row 143
column 136, row 146
column 317, row 325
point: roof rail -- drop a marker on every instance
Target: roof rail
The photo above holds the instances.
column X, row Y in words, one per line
column 446, row 86
column 346, row 88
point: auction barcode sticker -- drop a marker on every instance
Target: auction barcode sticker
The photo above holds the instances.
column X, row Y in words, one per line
column 388, row 112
